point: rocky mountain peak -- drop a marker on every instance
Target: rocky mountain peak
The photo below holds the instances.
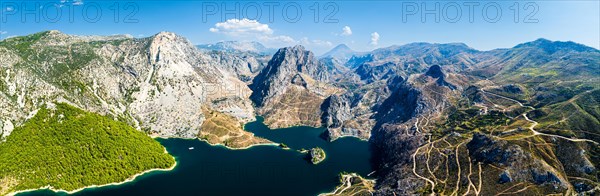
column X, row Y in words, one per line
column 51, row 38
column 279, row 72
column 298, row 53
column 341, row 52
column 435, row 71
column 54, row 32
column 298, row 59
column 172, row 46
column 342, row 48
column 296, row 48
column 165, row 38
column 395, row 82
column 282, row 88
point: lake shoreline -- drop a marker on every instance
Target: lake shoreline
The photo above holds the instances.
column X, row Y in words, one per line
column 130, row 179
column 219, row 144
column 191, row 161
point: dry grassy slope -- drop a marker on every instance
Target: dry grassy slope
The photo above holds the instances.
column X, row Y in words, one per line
column 535, row 163
column 220, row 128
column 527, row 151
column 352, row 184
column 297, row 106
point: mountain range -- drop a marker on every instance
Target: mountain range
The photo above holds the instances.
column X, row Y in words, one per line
column 238, row 47
column 441, row 118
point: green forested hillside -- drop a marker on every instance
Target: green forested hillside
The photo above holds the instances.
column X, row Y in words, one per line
column 68, row 148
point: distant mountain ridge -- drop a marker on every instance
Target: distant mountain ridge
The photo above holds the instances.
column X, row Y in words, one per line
column 238, row 46
column 341, row 52
column 553, row 46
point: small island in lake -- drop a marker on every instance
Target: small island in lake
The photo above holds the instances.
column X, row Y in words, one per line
column 316, row 155
column 284, row 146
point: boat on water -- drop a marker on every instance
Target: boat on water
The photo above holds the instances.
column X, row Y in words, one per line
column 191, row 148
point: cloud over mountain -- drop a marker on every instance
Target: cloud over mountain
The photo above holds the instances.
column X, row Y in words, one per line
column 242, row 27
column 346, row 31
column 374, row 38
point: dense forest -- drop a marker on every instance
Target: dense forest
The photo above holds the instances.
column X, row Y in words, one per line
column 67, row 148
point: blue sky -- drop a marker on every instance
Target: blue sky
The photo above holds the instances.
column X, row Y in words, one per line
column 362, row 25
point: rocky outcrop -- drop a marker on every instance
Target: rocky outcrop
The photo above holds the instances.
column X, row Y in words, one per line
column 474, row 94
column 244, row 66
column 520, row 165
column 291, row 88
column 336, row 110
column 288, row 62
column 435, row 71
column 403, row 104
column 344, row 115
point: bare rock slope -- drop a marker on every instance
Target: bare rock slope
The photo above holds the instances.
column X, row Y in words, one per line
column 158, row 84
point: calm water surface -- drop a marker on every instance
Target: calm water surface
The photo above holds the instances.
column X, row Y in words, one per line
column 260, row 170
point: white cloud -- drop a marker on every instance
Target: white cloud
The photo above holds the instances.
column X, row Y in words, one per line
column 72, row 2
column 9, row 8
column 252, row 30
column 346, row 31
column 3, row 32
column 322, row 43
column 277, row 41
column 374, row 38
column 242, row 27
column 315, row 43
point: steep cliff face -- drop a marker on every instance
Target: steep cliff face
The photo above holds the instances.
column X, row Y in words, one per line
column 245, row 66
column 158, row 84
column 291, row 88
column 243, row 59
column 346, row 115
column 403, row 104
column 180, row 81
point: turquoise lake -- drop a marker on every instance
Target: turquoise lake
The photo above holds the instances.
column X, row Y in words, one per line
column 260, row 170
